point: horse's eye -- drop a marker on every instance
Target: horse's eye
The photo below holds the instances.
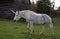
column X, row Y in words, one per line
column 16, row 15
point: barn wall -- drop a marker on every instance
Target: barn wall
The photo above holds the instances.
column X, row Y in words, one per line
column 6, row 1
column 5, row 5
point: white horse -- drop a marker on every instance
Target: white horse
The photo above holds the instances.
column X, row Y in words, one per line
column 32, row 17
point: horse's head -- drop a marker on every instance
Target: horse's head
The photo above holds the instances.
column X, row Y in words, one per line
column 17, row 16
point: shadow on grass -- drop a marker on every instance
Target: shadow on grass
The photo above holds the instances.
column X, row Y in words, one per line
column 34, row 36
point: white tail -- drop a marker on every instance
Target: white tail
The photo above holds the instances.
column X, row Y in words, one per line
column 12, row 11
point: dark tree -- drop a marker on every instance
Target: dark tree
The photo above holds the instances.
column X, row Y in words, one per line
column 20, row 3
column 43, row 7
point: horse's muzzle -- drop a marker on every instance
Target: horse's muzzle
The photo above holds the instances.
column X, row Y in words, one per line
column 14, row 20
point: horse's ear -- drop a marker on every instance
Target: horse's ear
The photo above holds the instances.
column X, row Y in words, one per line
column 12, row 11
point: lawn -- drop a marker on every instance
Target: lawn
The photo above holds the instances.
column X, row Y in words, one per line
column 18, row 30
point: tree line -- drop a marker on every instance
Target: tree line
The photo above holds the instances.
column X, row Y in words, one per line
column 44, row 6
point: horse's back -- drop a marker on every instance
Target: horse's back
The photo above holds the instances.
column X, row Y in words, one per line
column 36, row 18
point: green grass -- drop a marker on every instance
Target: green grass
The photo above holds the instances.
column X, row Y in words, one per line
column 11, row 30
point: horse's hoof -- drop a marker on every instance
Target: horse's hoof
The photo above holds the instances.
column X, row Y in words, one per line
column 30, row 33
column 52, row 34
column 27, row 32
column 33, row 31
column 41, row 34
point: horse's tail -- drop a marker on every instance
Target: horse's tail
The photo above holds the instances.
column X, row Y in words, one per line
column 12, row 11
column 53, row 21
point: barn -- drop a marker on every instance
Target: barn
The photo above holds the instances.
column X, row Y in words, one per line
column 5, row 5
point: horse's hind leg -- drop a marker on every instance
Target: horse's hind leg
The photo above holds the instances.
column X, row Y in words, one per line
column 43, row 30
column 51, row 28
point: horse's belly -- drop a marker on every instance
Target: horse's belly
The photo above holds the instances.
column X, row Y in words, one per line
column 38, row 21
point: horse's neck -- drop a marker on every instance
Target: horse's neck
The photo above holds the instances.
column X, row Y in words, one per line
column 22, row 14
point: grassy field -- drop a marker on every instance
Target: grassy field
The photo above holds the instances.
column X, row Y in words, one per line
column 17, row 30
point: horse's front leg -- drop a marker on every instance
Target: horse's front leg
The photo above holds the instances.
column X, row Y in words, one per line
column 30, row 27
